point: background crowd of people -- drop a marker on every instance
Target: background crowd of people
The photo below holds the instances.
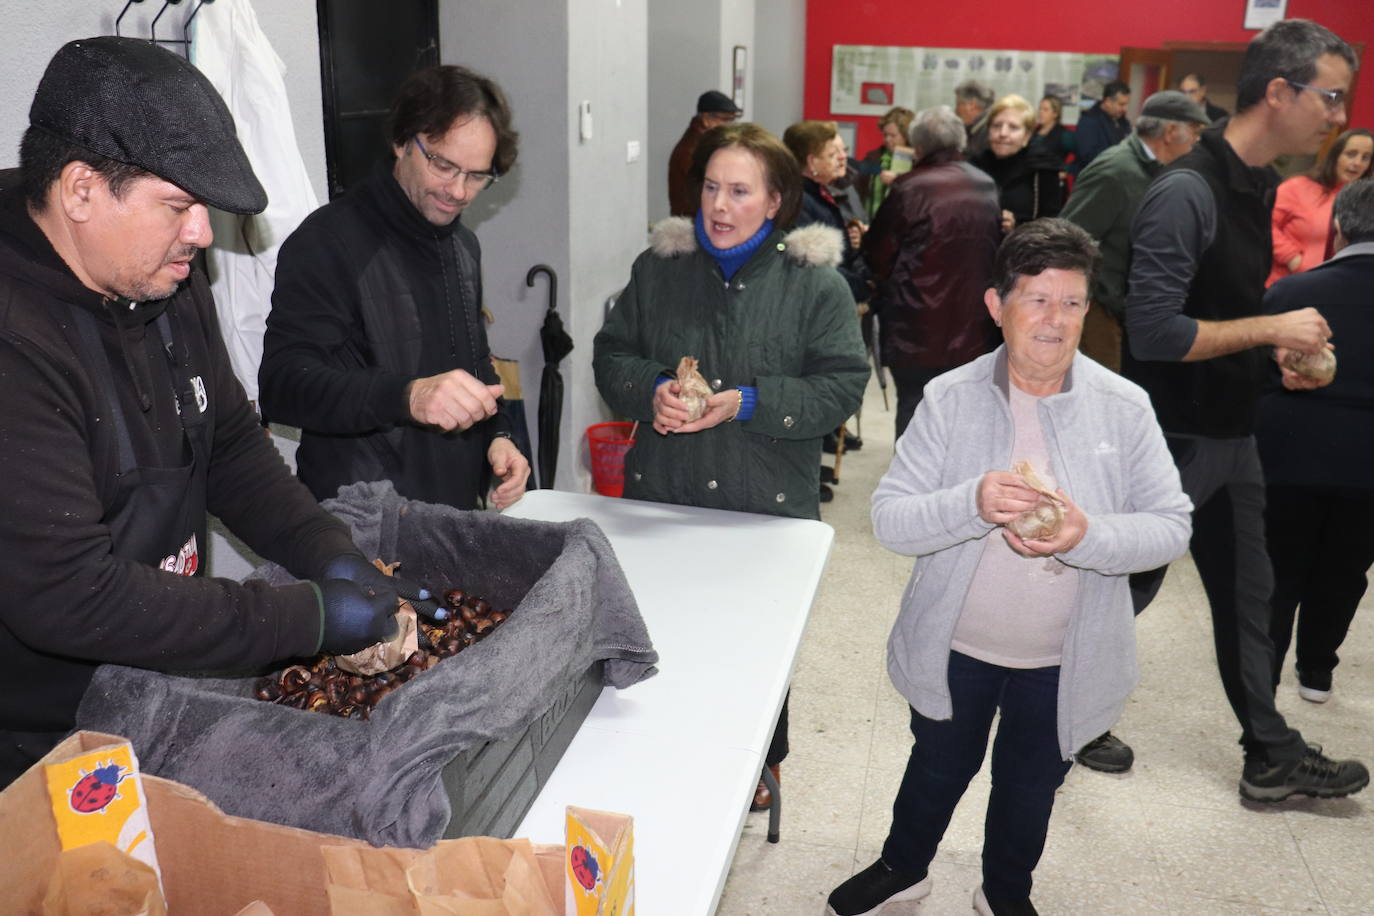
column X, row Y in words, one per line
column 1136, row 334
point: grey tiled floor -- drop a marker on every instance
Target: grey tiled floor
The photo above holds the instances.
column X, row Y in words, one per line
column 1172, row 836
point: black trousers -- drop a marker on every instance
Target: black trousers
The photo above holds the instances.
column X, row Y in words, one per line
column 1224, row 480
column 778, row 747
column 911, row 383
column 1321, row 544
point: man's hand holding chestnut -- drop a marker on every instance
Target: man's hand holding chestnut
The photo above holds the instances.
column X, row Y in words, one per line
column 452, row 400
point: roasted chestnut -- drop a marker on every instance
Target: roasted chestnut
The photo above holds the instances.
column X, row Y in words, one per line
column 324, row 687
column 294, row 678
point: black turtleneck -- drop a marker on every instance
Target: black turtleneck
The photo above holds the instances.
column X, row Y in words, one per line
column 369, row 296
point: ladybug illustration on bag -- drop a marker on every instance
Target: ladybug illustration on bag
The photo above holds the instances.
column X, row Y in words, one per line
column 584, row 867
column 94, row 790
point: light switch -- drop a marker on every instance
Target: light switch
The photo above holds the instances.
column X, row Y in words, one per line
column 584, row 120
column 632, row 151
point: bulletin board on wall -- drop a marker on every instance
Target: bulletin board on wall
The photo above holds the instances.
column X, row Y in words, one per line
column 870, row 79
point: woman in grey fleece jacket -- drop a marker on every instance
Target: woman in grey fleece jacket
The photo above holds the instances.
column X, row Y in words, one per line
column 945, row 495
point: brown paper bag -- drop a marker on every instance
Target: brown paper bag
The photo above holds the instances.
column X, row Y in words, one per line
column 383, row 656
column 368, row 882
column 481, row 876
column 256, row 908
column 474, row 876
column 98, row 878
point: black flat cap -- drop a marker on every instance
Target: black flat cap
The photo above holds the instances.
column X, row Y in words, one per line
column 715, row 102
column 129, row 100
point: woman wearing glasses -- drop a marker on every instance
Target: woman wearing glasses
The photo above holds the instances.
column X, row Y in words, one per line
column 771, row 324
column 375, row 346
column 1302, row 208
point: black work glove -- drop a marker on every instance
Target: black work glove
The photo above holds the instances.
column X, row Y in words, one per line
column 355, row 568
column 355, row 616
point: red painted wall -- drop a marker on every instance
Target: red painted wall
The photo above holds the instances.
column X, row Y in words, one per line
column 1068, row 25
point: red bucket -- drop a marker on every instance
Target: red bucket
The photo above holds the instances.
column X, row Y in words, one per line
column 608, row 443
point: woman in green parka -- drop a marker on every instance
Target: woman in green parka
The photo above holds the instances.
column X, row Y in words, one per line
column 773, row 328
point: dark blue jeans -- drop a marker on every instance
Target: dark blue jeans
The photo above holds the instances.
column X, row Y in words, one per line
column 1026, row 770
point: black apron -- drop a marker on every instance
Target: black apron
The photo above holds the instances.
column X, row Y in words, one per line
column 157, row 514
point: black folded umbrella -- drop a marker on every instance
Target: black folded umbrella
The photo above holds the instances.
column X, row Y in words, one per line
column 557, row 344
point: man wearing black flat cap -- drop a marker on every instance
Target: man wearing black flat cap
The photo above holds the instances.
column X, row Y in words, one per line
column 714, row 108
column 122, row 422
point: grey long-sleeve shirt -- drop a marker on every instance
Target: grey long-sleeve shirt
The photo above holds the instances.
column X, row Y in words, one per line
column 1175, row 224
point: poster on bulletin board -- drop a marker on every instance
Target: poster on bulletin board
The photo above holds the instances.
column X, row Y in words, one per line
column 868, row 79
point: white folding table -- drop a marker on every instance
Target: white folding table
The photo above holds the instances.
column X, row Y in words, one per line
column 725, row 596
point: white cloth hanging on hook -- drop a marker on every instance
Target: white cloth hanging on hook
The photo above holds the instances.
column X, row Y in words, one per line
column 230, row 48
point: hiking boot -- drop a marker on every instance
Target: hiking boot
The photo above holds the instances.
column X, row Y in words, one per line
column 869, row 890
column 985, row 907
column 1312, row 774
column 1106, row 753
column 1314, row 686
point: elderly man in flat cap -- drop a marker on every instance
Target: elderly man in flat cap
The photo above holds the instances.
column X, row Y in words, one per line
column 122, row 423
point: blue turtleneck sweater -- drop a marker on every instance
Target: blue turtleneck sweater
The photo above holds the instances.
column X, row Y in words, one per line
column 731, row 259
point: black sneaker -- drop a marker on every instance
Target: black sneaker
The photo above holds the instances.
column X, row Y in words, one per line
column 870, row 889
column 985, row 907
column 826, row 494
column 1106, row 753
column 1313, row 774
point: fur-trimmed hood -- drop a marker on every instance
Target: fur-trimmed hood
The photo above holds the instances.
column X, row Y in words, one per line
column 809, row 246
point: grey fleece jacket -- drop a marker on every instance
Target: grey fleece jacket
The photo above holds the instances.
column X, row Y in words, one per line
column 1108, row 455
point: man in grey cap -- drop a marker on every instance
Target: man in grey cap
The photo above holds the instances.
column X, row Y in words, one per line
column 1104, row 201
column 123, row 422
column 714, row 108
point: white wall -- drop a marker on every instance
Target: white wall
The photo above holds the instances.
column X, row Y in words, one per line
column 684, row 53
column 577, row 206
column 779, row 62
column 33, row 32
column 607, row 194
column 737, row 28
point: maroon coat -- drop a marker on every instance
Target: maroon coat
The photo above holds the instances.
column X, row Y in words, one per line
column 930, row 249
column 680, row 199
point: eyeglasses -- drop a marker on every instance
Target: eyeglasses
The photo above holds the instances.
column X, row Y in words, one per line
column 1333, row 98
column 442, row 168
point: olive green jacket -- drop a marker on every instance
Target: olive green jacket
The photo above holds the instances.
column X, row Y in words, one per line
column 785, row 323
column 1105, row 197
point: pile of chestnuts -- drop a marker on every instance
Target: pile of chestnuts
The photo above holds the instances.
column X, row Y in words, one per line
column 325, row 687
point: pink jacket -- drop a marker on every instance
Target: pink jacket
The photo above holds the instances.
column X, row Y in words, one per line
column 1301, row 225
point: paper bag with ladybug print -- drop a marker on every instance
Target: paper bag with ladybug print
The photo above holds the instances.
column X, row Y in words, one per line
column 98, row 797
column 600, row 864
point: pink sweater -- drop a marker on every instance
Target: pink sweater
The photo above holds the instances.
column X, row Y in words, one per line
column 1301, row 225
